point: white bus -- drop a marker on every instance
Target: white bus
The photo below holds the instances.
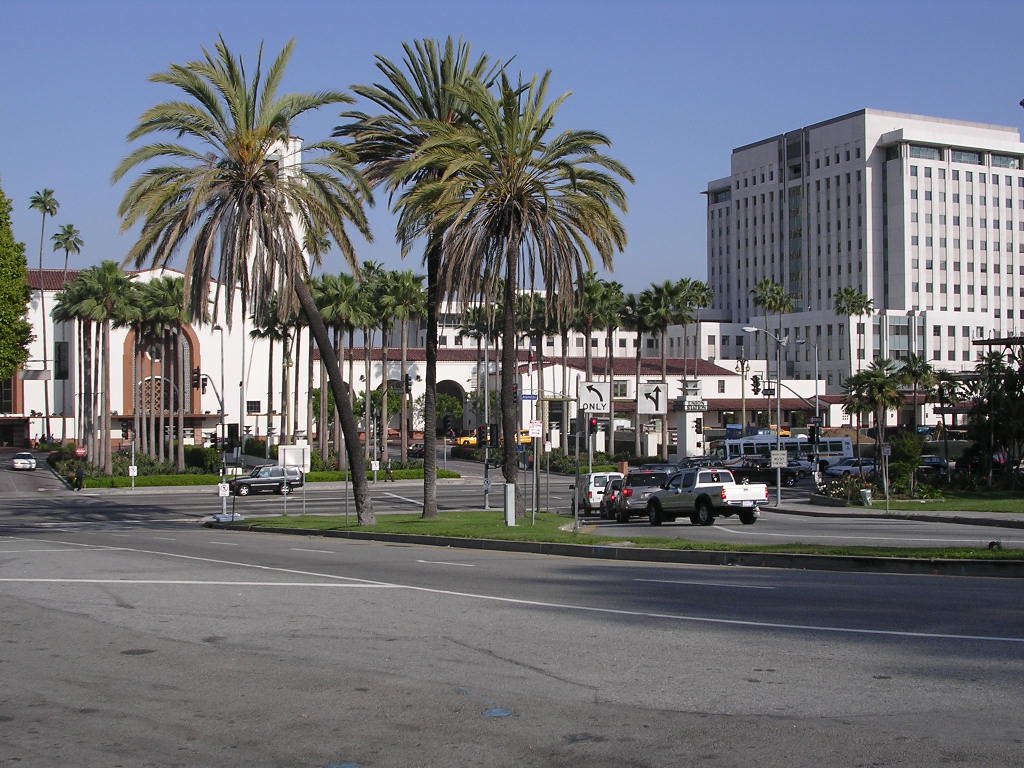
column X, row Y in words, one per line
column 829, row 449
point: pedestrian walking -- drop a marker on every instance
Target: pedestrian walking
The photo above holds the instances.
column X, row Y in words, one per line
column 79, row 477
column 388, row 474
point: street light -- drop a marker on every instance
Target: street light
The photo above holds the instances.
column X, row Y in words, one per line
column 817, row 412
column 220, row 397
column 779, row 343
column 742, row 366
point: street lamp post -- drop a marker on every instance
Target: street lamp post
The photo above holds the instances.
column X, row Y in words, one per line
column 817, row 412
column 742, row 366
column 778, row 402
column 220, row 397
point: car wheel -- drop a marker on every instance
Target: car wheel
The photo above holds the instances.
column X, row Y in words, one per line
column 622, row 514
column 287, row 490
column 242, row 490
column 654, row 513
column 748, row 517
column 704, row 514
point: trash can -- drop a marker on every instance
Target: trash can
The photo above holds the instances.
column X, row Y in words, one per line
column 865, row 497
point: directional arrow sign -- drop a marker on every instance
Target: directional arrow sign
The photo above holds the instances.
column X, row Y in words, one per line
column 594, row 396
column 651, row 398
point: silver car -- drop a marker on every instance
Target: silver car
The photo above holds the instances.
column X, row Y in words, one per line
column 637, row 487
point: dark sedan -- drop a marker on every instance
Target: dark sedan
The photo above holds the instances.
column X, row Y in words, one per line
column 268, row 478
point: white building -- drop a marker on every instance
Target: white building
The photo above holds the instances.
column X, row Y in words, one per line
column 924, row 215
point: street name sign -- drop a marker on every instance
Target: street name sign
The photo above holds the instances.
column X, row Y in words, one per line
column 779, row 459
column 696, row 406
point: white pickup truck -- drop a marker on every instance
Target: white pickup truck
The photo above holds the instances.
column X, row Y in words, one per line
column 704, row 493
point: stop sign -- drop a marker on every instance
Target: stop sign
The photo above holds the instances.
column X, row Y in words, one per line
column 80, row 452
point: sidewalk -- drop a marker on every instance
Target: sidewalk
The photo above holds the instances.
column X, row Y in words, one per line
column 805, row 506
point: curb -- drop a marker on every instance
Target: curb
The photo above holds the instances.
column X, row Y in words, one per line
column 905, row 566
column 903, row 515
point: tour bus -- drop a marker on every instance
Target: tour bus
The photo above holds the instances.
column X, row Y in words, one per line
column 829, row 449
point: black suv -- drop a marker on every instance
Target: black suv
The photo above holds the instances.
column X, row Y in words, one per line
column 267, row 478
column 636, row 487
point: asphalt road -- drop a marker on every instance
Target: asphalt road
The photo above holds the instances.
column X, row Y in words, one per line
column 165, row 644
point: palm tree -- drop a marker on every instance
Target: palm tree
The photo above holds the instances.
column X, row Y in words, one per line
column 587, row 314
column 508, row 194
column 635, row 319
column 947, row 389
column 408, row 303
column 917, row 372
column 269, row 326
column 69, row 240
column 107, row 299
column 372, row 294
column 659, row 307
column 415, row 91
column 47, row 205
column 67, row 309
column 614, row 305
column 853, row 303
column 879, row 385
column 241, row 194
column 701, row 296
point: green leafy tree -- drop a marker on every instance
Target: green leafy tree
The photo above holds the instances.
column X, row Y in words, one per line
column 15, row 329
column 237, row 194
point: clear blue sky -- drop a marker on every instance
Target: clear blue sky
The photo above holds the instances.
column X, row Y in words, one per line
column 676, row 85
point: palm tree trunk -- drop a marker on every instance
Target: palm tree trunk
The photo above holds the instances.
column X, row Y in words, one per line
column 108, row 462
column 403, row 427
column 367, row 392
column 565, row 391
column 433, row 259
column 609, row 342
column 162, row 444
column 95, row 418
column 384, row 395
column 637, row 436
column 180, row 366
column 309, row 390
column 509, row 373
column 136, row 400
column 664, row 379
column 270, row 392
column 286, row 375
column 364, row 505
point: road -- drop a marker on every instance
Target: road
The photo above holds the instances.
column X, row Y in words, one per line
column 165, row 644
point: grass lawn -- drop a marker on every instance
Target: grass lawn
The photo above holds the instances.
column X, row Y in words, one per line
column 491, row 525
column 961, row 501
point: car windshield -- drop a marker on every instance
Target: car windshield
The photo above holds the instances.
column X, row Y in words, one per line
column 23, row 455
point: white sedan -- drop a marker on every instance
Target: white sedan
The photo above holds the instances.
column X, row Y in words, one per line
column 23, row 460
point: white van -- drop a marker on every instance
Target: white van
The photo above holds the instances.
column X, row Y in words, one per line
column 591, row 489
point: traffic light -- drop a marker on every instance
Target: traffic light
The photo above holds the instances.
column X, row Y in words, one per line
column 814, row 433
column 755, row 384
column 408, row 384
column 195, row 377
column 593, row 424
column 204, row 380
column 481, row 436
column 447, row 423
column 495, row 435
column 698, row 426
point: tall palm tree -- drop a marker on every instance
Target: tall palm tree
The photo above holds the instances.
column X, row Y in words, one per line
column 272, row 328
column 240, row 194
column 947, row 390
column 882, row 392
column 853, row 303
column 634, row 318
column 659, row 303
column 107, row 299
column 701, row 296
column 47, row 205
column 69, row 240
column 67, row 308
column 415, row 91
column 918, row 372
column 372, row 294
column 587, row 314
column 408, row 303
column 512, row 195
column 612, row 312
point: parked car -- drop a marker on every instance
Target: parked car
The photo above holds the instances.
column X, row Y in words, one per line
column 591, row 489
column 23, row 460
column 932, row 465
column 702, row 494
column 468, row 439
column 612, row 490
column 851, row 467
column 416, row 451
column 267, row 478
column 637, row 486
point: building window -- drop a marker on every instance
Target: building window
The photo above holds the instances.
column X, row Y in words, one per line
column 620, row 389
column 721, row 386
column 7, row 395
column 60, row 360
column 253, row 407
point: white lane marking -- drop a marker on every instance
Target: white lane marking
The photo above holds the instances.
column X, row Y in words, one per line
column 321, row 551
column 222, row 543
column 417, row 502
column 705, row 584
column 571, row 607
column 20, row 551
column 163, row 538
column 442, row 562
column 179, row 582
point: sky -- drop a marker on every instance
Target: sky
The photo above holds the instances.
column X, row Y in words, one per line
column 675, row 85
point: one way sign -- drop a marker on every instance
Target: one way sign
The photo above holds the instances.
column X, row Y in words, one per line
column 594, row 396
column 651, row 398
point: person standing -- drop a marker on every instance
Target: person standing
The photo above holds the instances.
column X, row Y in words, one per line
column 79, row 477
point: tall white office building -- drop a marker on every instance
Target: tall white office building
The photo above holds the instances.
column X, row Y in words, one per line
column 925, row 215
